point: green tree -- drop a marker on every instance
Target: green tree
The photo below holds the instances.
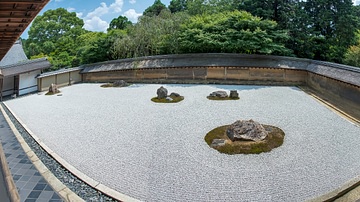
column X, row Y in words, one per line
column 54, row 24
column 332, row 20
column 151, row 36
column 177, row 5
column 197, row 7
column 120, row 22
column 232, row 32
column 53, row 34
column 93, row 48
column 280, row 11
column 352, row 55
column 154, row 9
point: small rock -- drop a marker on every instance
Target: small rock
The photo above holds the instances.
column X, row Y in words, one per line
column 174, row 94
column 53, row 89
column 161, row 92
column 169, row 99
column 217, row 143
column 234, row 94
column 220, row 94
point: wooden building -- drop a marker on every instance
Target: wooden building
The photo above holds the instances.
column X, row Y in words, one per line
column 18, row 74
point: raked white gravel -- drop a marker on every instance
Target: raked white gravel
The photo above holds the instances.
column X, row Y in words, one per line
column 157, row 152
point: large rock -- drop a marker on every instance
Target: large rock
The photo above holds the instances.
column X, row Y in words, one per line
column 246, row 130
column 220, row 94
column 53, row 89
column 234, row 94
column 161, row 93
column 120, row 83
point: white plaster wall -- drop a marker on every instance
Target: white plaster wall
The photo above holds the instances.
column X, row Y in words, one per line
column 28, row 82
column 8, row 88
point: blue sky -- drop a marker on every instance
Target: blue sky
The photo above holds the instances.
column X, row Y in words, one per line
column 98, row 14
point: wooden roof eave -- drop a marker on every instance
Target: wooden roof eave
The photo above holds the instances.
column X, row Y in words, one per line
column 25, row 67
column 15, row 17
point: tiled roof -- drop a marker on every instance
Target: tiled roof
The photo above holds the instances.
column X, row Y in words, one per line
column 60, row 71
column 15, row 55
column 26, row 66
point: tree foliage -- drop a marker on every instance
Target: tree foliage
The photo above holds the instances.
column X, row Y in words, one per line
column 155, row 9
column 232, row 32
column 120, row 22
column 177, row 6
column 151, row 36
column 53, row 25
column 315, row 29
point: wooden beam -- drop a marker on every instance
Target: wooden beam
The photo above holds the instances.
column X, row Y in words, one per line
column 9, row 17
column 22, row 2
column 8, row 10
column 12, row 23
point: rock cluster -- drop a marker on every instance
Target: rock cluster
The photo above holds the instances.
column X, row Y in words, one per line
column 53, row 89
column 246, row 130
column 220, row 94
column 163, row 93
column 223, row 94
column 120, row 83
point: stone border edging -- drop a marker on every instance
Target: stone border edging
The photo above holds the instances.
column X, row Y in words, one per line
column 56, row 184
column 88, row 180
column 332, row 107
column 339, row 192
column 9, row 181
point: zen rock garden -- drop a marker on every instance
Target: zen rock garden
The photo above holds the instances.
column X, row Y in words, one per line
column 245, row 137
column 116, row 84
column 163, row 97
column 53, row 89
column 222, row 95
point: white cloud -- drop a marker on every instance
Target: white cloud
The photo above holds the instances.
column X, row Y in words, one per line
column 96, row 24
column 58, row 0
column 356, row 2
column 132, row 15
column 132, row 1
column 99, row 11
column 70, row 9
column 117, row 6
column 93, row 20
column 79, row 15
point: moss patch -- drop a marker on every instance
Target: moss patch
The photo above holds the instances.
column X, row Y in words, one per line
column 163, row 100
column 111, row 85
column 274, row 139
column 51, row 93
column 219, row 98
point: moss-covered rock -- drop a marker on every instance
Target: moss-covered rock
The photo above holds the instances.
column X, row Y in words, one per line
column 220, row 98
column 275, row 138
column 174, row 99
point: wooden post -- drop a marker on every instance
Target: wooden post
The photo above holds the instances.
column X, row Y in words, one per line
column 1, row 87
column 16, row 84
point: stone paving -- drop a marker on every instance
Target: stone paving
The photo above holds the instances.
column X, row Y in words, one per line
column 32, row 187
column 156, row 152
